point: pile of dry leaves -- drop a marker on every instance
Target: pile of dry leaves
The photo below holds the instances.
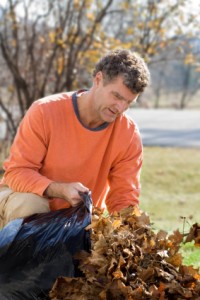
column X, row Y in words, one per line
column 130, row 261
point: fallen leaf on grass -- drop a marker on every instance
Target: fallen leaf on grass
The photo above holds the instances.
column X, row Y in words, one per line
column 194, row 235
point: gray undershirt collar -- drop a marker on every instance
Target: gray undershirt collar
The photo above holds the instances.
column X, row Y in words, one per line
column 75, row 105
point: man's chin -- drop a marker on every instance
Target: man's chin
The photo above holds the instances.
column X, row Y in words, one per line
column 109, row 118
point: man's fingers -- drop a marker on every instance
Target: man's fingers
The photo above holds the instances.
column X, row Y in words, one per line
column 82, row 188
column 75, row 202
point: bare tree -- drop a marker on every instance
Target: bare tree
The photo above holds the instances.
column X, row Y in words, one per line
column 42, row 46
column 151, row 27
column 48, row 46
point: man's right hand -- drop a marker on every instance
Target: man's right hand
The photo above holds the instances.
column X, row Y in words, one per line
column 67, row 191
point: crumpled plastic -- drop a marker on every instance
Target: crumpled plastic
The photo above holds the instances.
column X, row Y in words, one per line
column 36, row 250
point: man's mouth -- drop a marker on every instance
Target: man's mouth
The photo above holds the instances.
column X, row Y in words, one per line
column 113, row 112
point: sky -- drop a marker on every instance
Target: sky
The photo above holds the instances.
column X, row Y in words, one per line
column 192, row 4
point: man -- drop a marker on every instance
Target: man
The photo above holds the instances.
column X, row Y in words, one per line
column 79, row 142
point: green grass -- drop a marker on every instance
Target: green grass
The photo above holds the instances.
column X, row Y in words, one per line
column 191, row 255
column 170, row 193
column 170, row 181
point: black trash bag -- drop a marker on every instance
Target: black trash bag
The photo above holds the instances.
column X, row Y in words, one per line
column 34, row 251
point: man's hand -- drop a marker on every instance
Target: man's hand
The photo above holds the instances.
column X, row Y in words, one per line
column 67, row 191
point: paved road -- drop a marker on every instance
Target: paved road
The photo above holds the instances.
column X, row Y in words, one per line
column 167, row 127
column 163, row 127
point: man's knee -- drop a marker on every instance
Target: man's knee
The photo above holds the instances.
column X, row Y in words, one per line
column 20, row 205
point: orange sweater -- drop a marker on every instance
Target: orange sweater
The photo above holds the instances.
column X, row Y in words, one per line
column 52, row 145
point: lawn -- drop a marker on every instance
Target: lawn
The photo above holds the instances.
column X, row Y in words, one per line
column 170, row 181
column 171, row 192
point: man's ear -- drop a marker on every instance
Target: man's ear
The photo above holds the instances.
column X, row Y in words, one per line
column 98, row 78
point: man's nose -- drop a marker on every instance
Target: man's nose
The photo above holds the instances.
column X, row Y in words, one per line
column 122, row 106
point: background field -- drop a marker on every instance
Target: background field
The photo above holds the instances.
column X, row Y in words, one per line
column 171, row 192
column 171, row 186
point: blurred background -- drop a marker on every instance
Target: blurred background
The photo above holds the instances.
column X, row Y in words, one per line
column 51, row 46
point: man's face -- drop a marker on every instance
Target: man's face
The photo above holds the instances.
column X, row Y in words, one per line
column 111, row 99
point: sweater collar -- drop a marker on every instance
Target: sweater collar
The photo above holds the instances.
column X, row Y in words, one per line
column 75, row 105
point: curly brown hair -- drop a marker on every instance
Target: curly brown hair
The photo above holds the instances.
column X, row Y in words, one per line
column 127, row 64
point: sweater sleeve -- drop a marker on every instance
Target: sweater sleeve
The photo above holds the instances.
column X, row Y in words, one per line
column 27, row 153
column 124, row 178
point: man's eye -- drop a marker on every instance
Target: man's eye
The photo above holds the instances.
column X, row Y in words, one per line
column 118, row 97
